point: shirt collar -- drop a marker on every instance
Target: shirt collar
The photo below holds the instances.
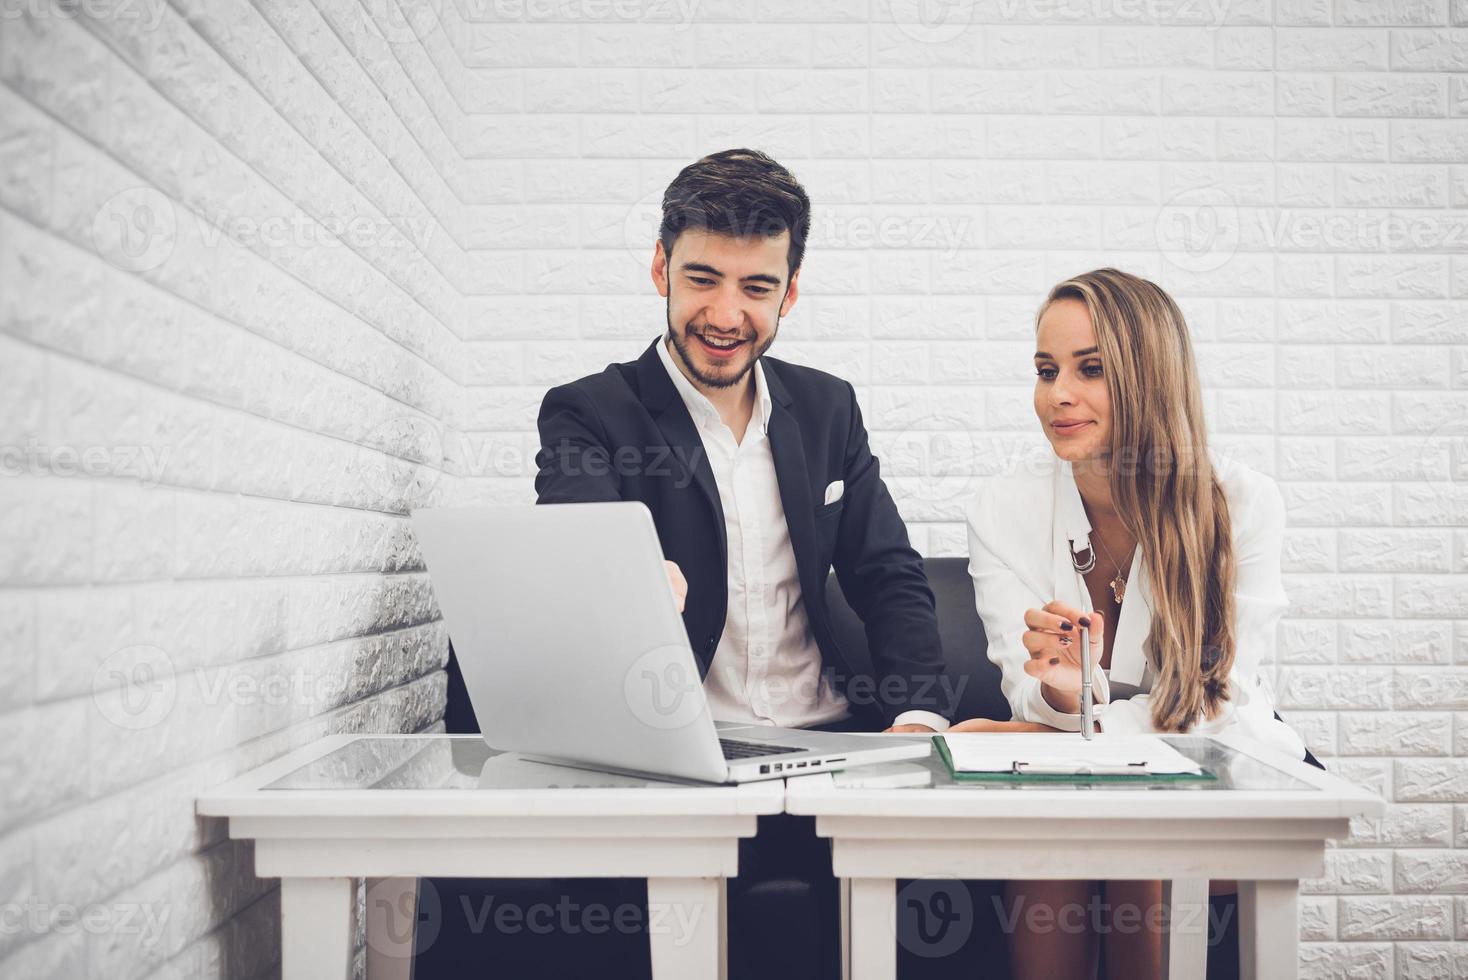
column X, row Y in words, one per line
column 1070, row 511
column 698, row 404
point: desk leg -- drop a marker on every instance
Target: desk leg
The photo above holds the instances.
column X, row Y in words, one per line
column 1269, row 930
column 316, row 928
column 722, row 920
column 873, row 929
column 1185, row 944
column 686, row 928
column 844, row 884
column 392, row 924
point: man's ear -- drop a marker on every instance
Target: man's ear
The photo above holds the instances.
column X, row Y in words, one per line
column 660, row 269
column 791, row 293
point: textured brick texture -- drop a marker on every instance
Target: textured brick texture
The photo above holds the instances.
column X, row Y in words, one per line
column 274, row 271
column 233, row 272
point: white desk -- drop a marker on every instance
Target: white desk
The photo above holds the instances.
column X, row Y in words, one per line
column 404, row 807
column 1264, row 822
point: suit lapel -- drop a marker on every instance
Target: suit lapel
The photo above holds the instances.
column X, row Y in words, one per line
column 1071, row 530
column 792, row 473
column 666, row 407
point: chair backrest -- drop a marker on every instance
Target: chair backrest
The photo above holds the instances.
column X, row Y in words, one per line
column 965, row 648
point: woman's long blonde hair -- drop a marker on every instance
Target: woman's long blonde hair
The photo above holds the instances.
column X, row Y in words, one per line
column 1164, row 488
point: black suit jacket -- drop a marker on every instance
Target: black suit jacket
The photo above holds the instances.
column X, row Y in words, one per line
column 625, row 434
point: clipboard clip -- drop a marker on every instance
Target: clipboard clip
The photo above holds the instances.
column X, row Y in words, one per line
column 1018, row 768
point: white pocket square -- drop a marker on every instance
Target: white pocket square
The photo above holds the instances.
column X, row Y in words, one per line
column 835, row 490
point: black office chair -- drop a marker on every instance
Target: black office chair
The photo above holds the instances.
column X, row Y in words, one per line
column 965, row 648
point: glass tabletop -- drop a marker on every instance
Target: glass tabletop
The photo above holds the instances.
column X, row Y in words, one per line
column 1233, row 770
column 445, row 763
column 467, row 763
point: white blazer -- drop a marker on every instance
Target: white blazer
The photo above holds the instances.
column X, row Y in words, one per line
column 1021, row 526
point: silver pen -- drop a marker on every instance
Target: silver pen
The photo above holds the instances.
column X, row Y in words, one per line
column 1088, row 708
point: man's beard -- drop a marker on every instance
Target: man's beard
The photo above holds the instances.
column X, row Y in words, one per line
column 716, row 381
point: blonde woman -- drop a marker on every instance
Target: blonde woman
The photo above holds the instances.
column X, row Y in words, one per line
column 1177, row 551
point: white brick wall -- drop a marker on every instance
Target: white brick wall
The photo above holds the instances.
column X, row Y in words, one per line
column 231, row 275
column 217, row 411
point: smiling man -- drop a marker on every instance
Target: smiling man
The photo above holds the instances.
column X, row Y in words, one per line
column 757, row 472
column 760, row 481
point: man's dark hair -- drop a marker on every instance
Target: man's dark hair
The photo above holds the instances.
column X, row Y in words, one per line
column 741, row 193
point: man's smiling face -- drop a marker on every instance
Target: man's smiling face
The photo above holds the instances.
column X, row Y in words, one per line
column 725, row 299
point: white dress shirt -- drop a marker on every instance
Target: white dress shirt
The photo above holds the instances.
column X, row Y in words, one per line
column 767, row 666
column 1022, row 527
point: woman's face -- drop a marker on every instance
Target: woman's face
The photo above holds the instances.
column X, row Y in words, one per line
column 1071, row 400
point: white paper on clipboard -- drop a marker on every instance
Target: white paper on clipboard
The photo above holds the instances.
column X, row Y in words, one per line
column 1063, row 752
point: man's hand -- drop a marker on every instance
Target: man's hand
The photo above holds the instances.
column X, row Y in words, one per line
column 910, row 729
column 986, row 725
column 677, row 583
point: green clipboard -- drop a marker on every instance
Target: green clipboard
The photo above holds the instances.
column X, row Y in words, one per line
column 1049, row 777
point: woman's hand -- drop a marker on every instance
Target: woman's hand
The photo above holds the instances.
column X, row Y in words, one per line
column 985, row 725
column 1054, row 642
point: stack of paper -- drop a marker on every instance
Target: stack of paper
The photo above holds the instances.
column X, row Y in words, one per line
column 885, row 775
column 1066, row 754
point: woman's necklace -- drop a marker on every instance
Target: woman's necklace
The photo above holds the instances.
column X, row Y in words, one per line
column 1118, row 583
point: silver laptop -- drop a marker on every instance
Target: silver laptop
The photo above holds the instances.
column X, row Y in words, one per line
column 573, row 650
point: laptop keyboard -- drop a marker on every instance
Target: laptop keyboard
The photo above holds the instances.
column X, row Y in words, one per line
column 734, row 749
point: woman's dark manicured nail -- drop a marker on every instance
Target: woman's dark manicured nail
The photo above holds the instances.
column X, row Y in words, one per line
column 1085, row 622
column 1065, row 625
column 1054, row 661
